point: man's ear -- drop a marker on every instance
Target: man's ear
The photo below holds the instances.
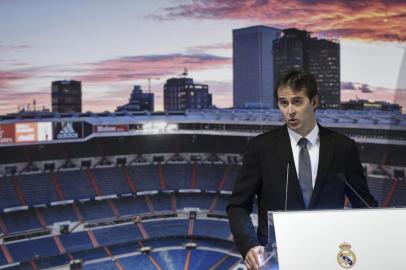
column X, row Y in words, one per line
column 315, row 101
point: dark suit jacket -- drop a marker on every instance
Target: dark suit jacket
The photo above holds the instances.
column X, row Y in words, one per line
column 263, row 174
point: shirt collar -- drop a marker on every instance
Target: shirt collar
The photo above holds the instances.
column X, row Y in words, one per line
column 311, row 137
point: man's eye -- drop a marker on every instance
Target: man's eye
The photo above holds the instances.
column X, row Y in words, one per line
column 283, row 102
column 297, row 102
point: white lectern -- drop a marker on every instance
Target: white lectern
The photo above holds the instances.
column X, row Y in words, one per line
column 358, row 239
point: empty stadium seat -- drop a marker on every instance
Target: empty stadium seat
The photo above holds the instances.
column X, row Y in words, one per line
column 177, row 176
column 110, row 181
column 27, row 250
column 20, row 221
column 145, row 177
column 37, row 188
column 212, row 228
column 75, row 241
column 8, row 196
column 75, row 184
column 173, row 227
column 117, row 234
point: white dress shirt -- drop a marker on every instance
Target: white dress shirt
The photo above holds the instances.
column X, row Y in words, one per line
column 313, row 147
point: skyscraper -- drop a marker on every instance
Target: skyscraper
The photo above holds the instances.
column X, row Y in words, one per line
column 182, row 94
column 324, row 63
column 253, row 66
column 296, row 49
column 138, row 101
column 66, row 96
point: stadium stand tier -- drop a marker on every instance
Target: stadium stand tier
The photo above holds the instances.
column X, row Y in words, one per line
column 142, row 200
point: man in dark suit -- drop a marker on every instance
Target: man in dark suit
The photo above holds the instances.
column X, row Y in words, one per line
column 317, row 160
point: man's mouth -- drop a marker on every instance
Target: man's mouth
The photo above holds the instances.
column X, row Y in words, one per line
column 293, row 121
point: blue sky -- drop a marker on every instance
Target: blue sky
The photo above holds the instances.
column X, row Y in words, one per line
column 112, row 45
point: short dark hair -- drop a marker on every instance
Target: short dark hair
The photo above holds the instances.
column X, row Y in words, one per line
column 297, row 80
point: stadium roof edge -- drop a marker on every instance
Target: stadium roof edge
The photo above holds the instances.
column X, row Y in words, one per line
column 331, row 118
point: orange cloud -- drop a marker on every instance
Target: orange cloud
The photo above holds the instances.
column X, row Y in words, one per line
column 7, row 78
column 141, row 67
column 375, row 20
column 10, row 99
column 205, row 48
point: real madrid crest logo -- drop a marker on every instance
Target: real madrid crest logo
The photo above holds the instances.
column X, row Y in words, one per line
column 346, row 257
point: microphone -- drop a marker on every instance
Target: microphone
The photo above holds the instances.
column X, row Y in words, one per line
column 344, row 180
column 287, row 186
column 274, row 253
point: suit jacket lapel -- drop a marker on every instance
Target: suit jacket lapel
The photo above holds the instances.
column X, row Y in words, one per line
column 325, row 159
column 284, row 151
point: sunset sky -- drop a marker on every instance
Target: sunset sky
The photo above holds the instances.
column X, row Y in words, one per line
column 112, row 45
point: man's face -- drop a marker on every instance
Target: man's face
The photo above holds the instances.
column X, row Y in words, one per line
column 297, row 110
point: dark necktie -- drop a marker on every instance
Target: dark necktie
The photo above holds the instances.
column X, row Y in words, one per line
column 305, row 171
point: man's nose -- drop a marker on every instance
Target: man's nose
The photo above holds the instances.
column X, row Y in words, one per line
column 291, row 109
